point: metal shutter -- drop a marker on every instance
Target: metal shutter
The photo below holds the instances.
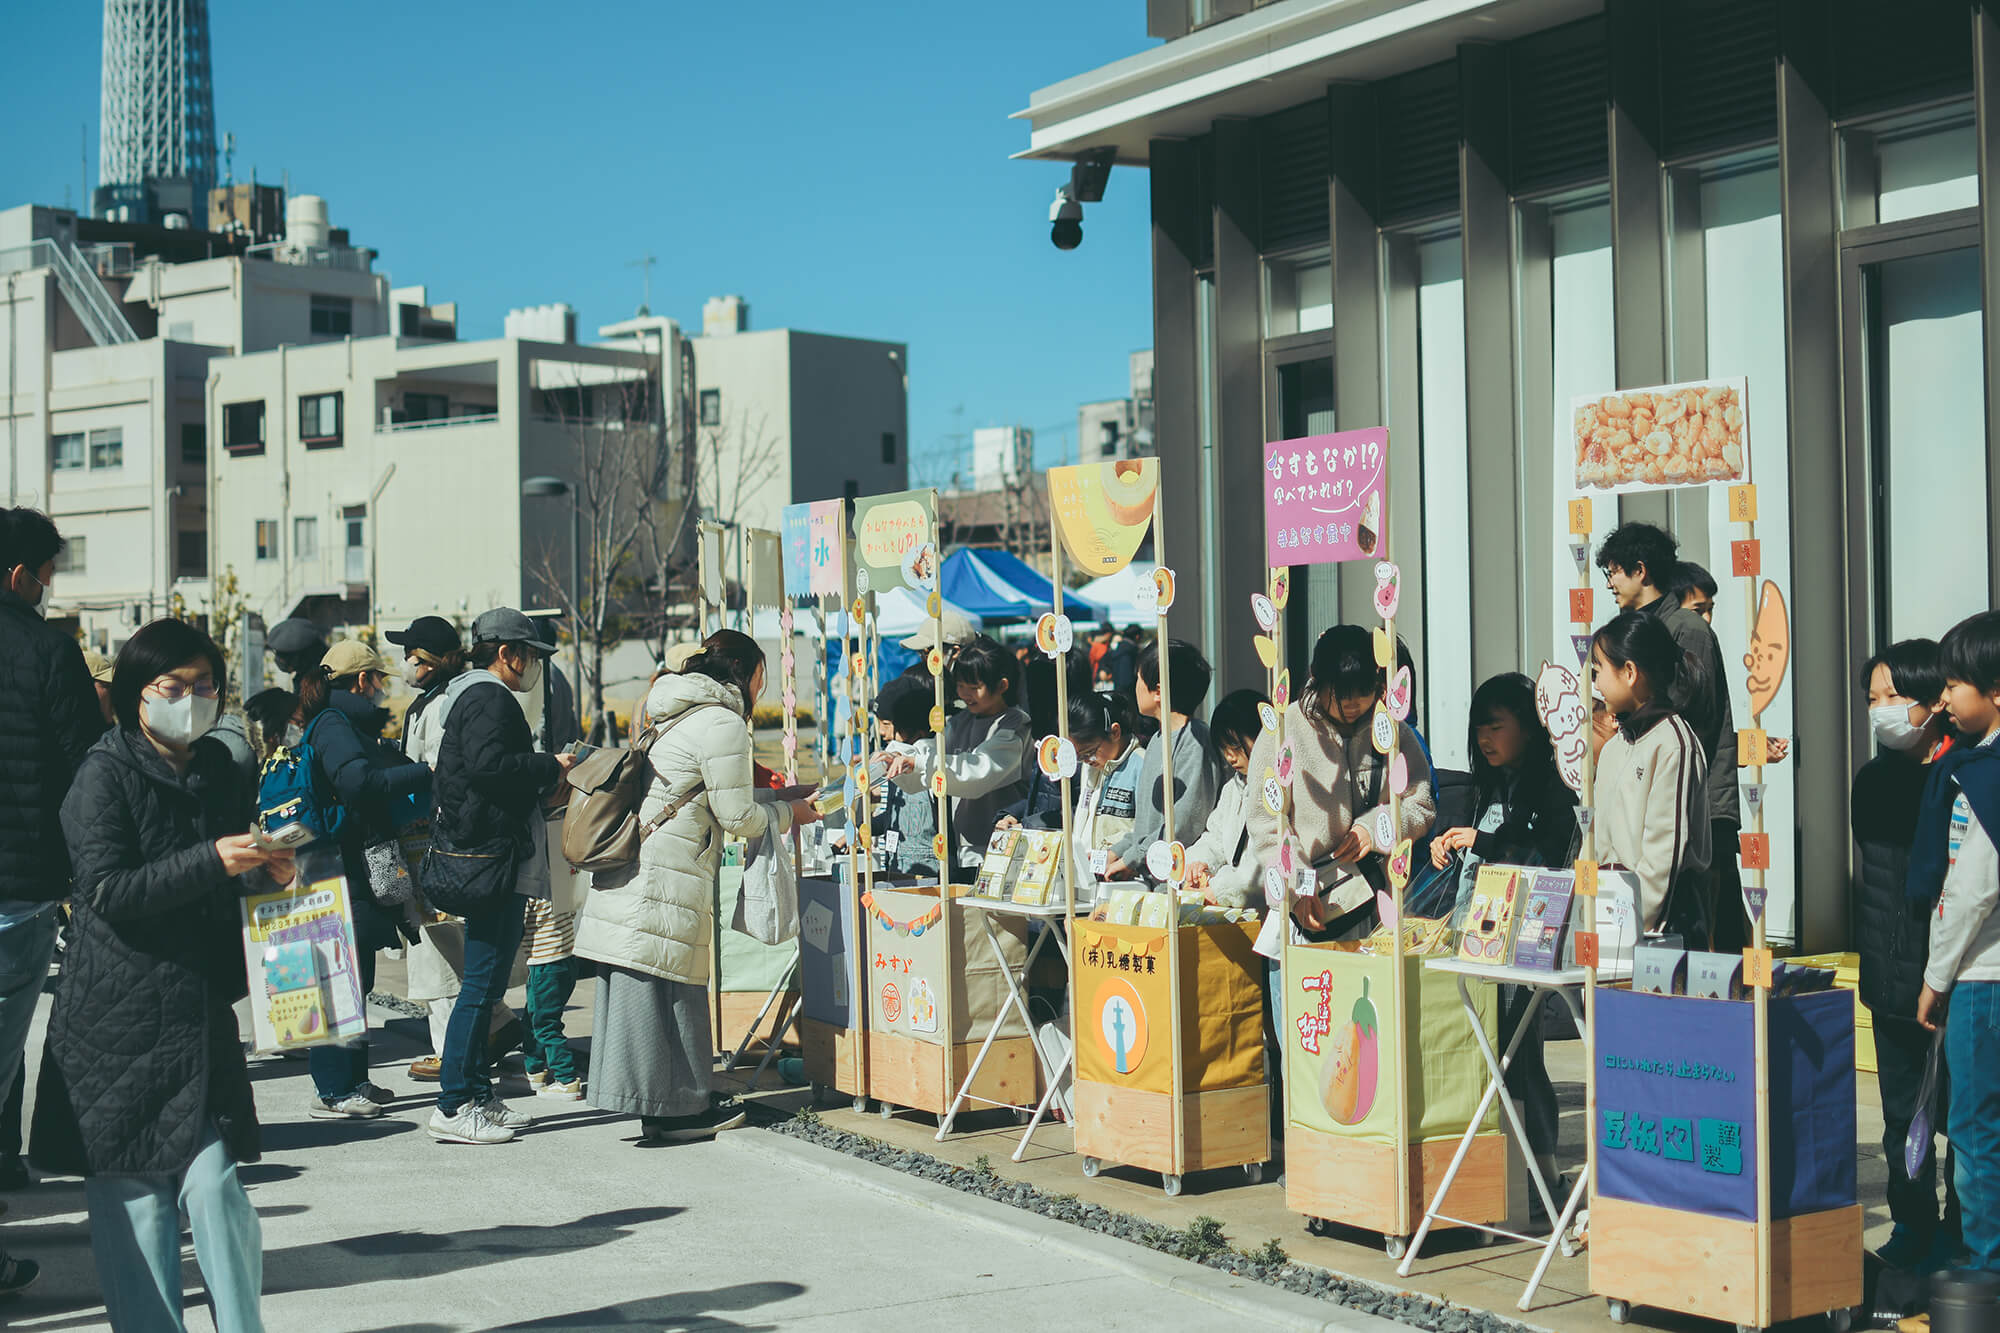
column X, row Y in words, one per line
column 1292, row 165
column 1418, row 114
column 1719, row 75
column 1912, row 51
column 1559, row 87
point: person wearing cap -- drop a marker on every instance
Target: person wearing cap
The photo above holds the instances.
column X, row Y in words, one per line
column 295, row 645
column 490, row 782
column 433, row 657
column 340, row 709
column 100, row 676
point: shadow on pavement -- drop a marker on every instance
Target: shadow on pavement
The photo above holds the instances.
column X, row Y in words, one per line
column 292, row 1135
column 420, row 1254
column 676, row 1313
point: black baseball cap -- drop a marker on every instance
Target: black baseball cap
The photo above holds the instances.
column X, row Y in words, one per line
column 504, row 624
column 294, row 636
column 433, row 634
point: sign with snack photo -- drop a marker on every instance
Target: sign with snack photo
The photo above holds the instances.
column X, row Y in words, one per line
column 1693, row 434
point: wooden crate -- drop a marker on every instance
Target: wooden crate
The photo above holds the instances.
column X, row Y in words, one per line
column 832, row 1055
column 739, row 1011
column 906, row 1072
column 1707, row 1266
column 1132, row 1127
column 1353, row 1181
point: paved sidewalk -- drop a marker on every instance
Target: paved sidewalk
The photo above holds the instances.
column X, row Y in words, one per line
column 373, row 1226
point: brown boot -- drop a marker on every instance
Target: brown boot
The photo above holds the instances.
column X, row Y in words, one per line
column 426, row 1070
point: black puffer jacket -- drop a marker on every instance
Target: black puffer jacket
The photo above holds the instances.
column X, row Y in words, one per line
column 142, row 1044
column 48, row 719
column 1892, row 934
column 368, row 780
column 489, row 777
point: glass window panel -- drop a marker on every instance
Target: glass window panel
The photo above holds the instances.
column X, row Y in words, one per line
column 1447, row 542
column 1582, row 363
column 67, row 452
column 1298, row 295
column 1932, row 170
column 107, row 448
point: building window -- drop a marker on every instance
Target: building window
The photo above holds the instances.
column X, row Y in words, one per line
column 426, row 406
column 1298, row 295
column 267, row 539
column 73, row 556
column 107, row 448
column 1107, row 444
column 305, row 539
column 711, row 407
column 888, row 446
column 243, row 427
column 191, row 554
column 194, row 442
column 332, row 316
column 319, row 420
column 66, row 451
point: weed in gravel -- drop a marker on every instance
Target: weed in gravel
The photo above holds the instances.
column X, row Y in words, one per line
column 982, row 1166
column 1203, row 1239
column 1273, row 1254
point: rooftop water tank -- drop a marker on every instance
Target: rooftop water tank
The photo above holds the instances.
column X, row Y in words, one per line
column 305, row 222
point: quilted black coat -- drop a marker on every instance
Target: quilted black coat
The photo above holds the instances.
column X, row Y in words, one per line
column 48, row 719
column 142, row 1043
column 357, row 771
column 490, row 778
column 1892, row 934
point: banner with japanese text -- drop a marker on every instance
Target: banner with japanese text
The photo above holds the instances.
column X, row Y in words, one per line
column 1325, row 497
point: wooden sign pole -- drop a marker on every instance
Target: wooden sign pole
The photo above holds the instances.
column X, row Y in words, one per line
column 1406, row 1014
column 1068, row 854
column 1586, row 806
column 941, row 846
column 1162, row 644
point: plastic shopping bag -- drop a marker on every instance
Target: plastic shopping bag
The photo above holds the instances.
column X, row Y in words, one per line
column 1918, row 1146
column 767, row 907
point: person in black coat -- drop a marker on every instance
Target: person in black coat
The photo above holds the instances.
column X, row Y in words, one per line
column 143, row 1089
column 490, row 782
column 339, row 705
column 1525, row 815
column 1892, row 934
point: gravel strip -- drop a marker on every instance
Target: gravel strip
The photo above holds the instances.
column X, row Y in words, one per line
column 1202, row 1242
column 396, row 1004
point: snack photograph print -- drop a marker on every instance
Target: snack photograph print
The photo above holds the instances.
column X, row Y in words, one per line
column 1674, row 435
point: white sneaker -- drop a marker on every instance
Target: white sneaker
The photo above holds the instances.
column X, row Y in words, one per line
column 470, row 1125
column 539, row 1079
column 571, row 1091
column 354, row 1106
column 503, row 1115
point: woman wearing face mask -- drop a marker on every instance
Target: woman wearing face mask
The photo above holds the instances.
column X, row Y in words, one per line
column 143, row 1088
column 342, row 717
column 1340, row 788
column 1905, row 684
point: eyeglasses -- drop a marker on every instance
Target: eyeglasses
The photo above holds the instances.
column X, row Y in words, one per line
column 173, row 689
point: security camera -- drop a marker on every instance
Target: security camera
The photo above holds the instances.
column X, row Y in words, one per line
column 1065, row 220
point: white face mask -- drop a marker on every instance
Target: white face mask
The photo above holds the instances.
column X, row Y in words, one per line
column 531, row 679
column 412, row 669
column 1893, row 729
column 179, row 722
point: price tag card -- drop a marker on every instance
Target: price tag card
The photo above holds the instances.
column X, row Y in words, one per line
column 1757, row 968
column 1580, row 605
column 1753, row 748
column 1746, row 558
column 1586, row 879
column 1100, row 861
column 1756, row 850
column 1579, row 517
column 1742, row 504
column 891, row 840
column 1586, row 948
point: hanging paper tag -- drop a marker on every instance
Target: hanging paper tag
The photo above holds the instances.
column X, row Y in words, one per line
column 1384, row 730
column 1580, row 606
column 1264, row 612
column 1757, row 968
column 1753, row 798
column 1383, row 835
column 1756, row 850
column 1580, row 552
column 937, row 719
column 1742, row 504
column 1586, row 948
column 1056, row 757
column 1385, row 648
column 791, row 743
column 1160, row 860
column 1586, row 879
column 1163, row 589
column 1399, row 864
column 938, row 847
column 1399, row 694
column 1274, row 884
column 1581, row 642
column 1281, row 694
column 935, row 661
column 1388, row 589
column 785, row 620
column 1285, row 764
column 1274, row 794
column 937, row 783
column 1268, row 716
column 1146, row 598
column 1746, row 558
column 1267, row 650
column 862, row 584
column 891, row 841
column 1177, row 859
column 1579, row 517
column 1752, row 748
column 791, row 698
column 1281, row 587
column 1054, row 634
column 1754, row 896
column 1308, row 884
column 1399, row 773
column 1100, row 862
column 1585, row 817
column 1288, row 860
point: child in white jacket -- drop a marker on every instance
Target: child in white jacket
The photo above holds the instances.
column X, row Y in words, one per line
column 986, row 747
column 1221, row 863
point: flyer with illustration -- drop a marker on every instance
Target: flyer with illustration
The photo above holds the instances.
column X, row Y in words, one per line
column 298, row 949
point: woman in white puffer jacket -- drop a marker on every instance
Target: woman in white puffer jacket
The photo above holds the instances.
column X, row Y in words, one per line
column 650, row 925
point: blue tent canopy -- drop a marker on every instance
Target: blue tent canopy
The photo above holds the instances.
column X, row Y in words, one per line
column 994, row 585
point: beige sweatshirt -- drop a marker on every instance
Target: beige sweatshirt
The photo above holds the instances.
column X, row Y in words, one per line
column 1652, row 810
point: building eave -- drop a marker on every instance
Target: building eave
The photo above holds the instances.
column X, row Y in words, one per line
column 1274, row 57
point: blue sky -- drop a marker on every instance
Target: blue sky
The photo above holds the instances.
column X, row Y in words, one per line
column 843, row 167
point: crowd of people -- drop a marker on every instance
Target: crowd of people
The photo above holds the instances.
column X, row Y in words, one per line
column 132, row 817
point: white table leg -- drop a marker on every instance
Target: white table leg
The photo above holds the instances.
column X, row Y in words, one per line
column 1054, row 1076
column 1012, row 1001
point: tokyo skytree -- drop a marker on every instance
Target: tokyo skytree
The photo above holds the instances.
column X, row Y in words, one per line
column 158, row 110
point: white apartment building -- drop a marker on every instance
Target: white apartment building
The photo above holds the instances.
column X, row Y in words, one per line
column 1002, row 456
column 1119, row 427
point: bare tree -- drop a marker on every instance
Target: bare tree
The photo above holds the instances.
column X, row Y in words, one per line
column 630, row 531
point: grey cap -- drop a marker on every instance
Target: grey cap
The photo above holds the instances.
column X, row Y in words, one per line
column 504, row 624
column 294, row 636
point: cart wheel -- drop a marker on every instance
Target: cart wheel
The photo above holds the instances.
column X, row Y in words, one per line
column 1091, row 1166
column 728, row 1059
column 861, row 1106
column 1315, row 1226
column 1396, row 1246
column 1619, row 1311
column 1840, row 1321
column 1749, row 1328
column 1254, row 1170
column 886, row 1111
column 1172, row 1185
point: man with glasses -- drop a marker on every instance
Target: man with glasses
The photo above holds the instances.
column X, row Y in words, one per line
column 48, row 718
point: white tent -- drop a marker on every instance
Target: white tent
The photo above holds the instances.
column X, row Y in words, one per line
column 899, row 613
column 1114, row 592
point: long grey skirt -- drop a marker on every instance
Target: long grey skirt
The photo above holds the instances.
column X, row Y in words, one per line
column 651, row 1049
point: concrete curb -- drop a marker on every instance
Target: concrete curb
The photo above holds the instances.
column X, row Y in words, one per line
column 1269, row 1306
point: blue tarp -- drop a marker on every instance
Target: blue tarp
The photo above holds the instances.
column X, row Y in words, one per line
column 994, row 585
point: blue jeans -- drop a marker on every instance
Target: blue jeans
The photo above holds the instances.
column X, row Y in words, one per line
column 492, row 937
column 25, row 950
column 1972, row 1049
column 135, row 1236
column 339, row 1070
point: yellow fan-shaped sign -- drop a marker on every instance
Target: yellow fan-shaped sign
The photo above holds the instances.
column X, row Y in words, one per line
column 1103, row 510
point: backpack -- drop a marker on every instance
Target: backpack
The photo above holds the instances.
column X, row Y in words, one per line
column 602, row 829
column 287, row 792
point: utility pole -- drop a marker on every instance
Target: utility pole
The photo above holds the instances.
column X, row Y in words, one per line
column 645, row 264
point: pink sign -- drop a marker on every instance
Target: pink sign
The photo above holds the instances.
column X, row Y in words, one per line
column 1323, row 497
column 826, row 550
